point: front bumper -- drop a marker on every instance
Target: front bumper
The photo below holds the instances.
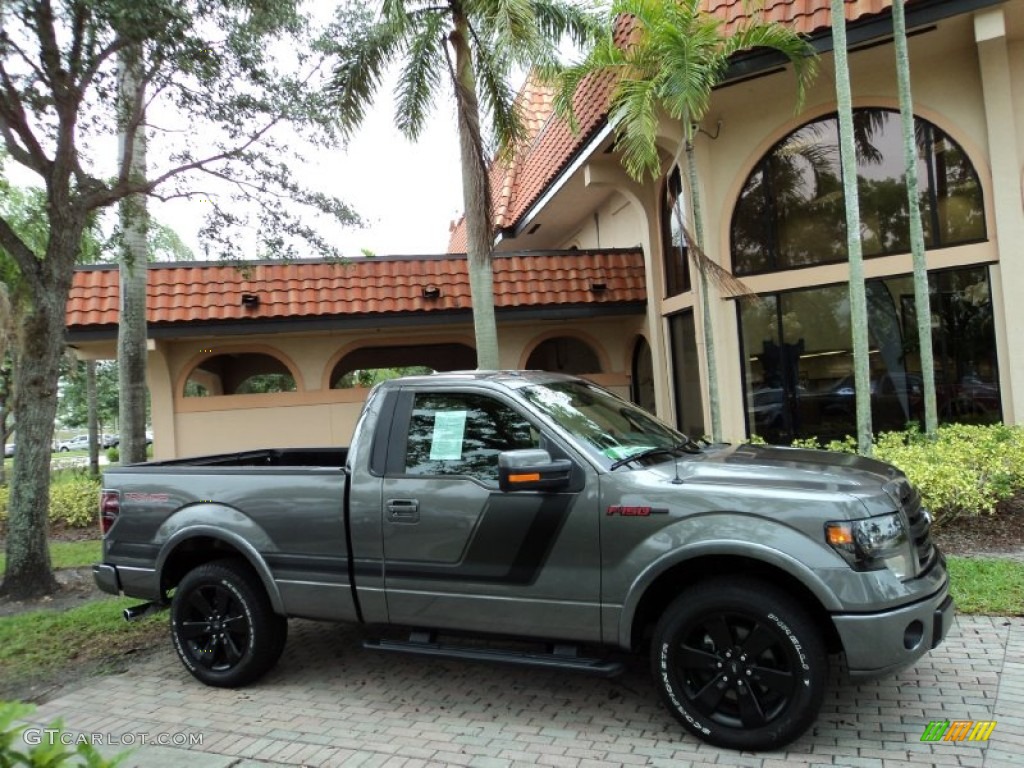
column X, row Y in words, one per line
column 878, row 644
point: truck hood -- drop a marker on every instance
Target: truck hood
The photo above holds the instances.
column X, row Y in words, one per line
column 769, row 466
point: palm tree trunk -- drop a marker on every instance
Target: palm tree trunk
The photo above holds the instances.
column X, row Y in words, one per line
column 476, row 196
column 858, row 298
column 922, row 300
column 705, row 300
column 131, row 331
column 91, row 400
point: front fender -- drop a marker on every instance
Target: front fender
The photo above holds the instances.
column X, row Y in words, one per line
column 233, row 528
column 773, row 544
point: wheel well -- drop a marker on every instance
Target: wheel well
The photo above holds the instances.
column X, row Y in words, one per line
column 192, row 553
column 700, row 569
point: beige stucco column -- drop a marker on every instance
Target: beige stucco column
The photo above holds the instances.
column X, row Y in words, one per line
column 161, row 400
column 1003, row 125
column 644, row 198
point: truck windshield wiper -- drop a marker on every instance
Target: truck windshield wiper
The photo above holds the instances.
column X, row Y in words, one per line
column 687, row 446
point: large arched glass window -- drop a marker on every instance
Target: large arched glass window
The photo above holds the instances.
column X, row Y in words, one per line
column 790, row 212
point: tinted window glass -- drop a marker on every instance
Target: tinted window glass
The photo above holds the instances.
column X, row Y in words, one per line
column 790, row 212
column 462, row 434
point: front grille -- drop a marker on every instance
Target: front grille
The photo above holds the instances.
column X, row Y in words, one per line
column 919, row 525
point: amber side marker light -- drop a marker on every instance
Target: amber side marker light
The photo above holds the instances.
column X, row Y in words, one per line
column 529, row 478
column 839, row 534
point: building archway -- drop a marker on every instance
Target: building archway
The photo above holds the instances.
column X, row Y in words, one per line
column 564, row 354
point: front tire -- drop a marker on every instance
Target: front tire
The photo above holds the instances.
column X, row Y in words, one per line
column 740, row 664
column 223, row 626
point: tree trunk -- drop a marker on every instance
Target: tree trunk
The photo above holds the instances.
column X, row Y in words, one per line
column 858, row 298
column 922, row 299
column 705, row 300
column 90, row 396
column 41, row 342
column 476, row 196
column 131, row 330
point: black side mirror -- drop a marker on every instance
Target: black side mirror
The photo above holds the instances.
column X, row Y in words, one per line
column 532, row 469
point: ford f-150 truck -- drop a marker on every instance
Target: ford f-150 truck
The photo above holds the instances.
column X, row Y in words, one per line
column 541, row 508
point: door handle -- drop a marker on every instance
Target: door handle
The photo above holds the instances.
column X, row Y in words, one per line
column 403, row 510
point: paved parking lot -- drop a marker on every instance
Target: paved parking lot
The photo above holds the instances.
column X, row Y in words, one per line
column 331, row 703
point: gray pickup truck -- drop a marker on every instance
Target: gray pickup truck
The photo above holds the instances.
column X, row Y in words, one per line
column 542, row 509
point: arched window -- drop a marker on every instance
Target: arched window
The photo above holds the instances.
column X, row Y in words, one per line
column 791, row 211
column 564, row 354
column 241, row 373
column 673, row 241
column 367, row 366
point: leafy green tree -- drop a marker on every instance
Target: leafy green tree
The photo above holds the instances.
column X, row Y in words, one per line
column 473, row 46
column 212, row 63
column 73, row 410
column 675, row 56
column 858, row 295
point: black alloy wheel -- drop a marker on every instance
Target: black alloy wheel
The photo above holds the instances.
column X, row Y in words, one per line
column 740, row 664
column 223, row 626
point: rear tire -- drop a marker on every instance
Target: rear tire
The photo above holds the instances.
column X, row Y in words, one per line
column 223, row 625
column 740, row 664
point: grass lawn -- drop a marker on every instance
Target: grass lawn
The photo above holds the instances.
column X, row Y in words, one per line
column 987, row 586
column 69, row 554
column 37, row 645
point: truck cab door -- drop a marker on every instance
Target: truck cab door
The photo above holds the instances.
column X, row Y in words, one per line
column 458, row 552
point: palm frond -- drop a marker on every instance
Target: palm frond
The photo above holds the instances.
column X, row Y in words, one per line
column 633, row 113
column 362, row 61
column 422, row 74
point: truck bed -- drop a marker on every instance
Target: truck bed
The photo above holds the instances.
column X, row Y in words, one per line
column 263, row 457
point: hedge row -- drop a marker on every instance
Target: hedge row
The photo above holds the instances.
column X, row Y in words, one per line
column 965, row 471
column 74, row 500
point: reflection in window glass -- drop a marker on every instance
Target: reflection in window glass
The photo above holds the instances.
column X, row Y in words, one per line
column 686, row 374
column 798, row 360
column 677, row 265
column 462, row 434
column 790, row 212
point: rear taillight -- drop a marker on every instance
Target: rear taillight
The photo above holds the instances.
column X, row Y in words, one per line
column 110, row 508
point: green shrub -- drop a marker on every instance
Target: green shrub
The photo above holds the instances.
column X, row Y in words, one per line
column 73, row 501
column 113, row 455
column 966, row 470
column 46, row 748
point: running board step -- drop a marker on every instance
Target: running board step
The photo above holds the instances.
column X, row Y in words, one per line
column 563, row 657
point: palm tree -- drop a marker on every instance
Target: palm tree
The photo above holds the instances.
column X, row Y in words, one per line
column 675, row 55
column 134, row 219
column 922, row 300
column 858, row 297
column 475, row 46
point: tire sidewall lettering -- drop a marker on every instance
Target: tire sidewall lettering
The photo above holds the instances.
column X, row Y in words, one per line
column 791, row 636
column 670, row 692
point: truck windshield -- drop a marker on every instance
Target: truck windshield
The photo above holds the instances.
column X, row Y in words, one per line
column 608, row 426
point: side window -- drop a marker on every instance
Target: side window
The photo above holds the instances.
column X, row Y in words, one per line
column 462, row 434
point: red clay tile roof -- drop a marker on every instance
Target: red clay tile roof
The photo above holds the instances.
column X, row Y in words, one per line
column 517, row 187
column 185, row 293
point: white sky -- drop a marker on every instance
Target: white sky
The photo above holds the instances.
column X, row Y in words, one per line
column 406, row 193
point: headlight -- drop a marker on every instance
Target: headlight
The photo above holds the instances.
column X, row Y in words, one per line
column 873, row 544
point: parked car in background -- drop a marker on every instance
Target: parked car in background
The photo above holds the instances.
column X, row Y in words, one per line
column 8, row 449
column 79, row 443
column 110, row 441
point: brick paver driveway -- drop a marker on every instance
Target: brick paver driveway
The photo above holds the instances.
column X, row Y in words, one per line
column 331, row 703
